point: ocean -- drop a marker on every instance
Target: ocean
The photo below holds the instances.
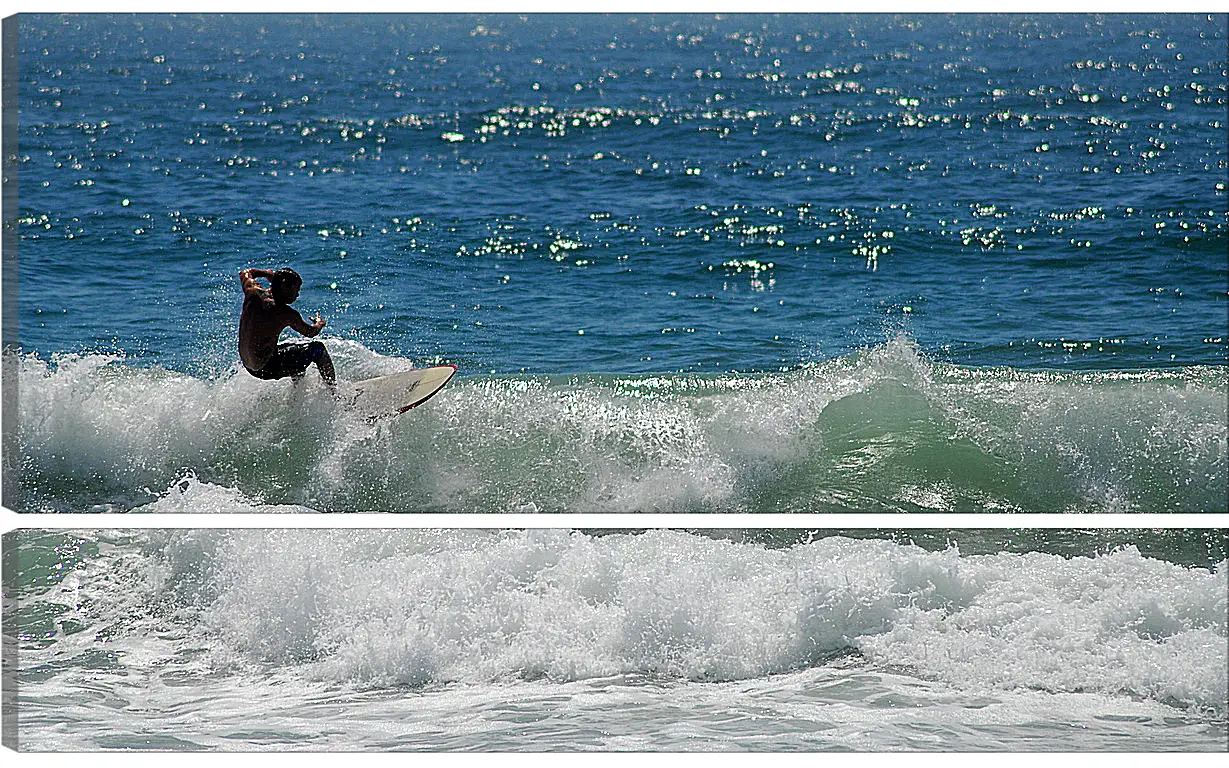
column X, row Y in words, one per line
column 723, row 263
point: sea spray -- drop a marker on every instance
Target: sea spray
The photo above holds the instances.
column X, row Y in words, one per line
column 416, row 607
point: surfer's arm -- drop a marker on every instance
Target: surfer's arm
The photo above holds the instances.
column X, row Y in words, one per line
column 247, row 278
column 296, row 322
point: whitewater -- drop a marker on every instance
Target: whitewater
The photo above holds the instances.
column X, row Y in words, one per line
column 664, row 640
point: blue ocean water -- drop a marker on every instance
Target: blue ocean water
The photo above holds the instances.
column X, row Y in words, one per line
column 693, row 262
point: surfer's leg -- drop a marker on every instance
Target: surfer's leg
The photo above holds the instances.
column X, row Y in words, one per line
column 293, row 360
column 279, row 365
column 324, row 363
column 290, row 360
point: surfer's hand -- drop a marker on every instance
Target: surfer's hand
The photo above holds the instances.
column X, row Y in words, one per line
column 318, row 321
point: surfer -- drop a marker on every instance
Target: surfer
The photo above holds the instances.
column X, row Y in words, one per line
column 266, row 312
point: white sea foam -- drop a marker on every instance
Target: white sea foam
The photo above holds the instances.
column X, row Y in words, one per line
column 188, row 495
column 383, row 608
column 512, row 639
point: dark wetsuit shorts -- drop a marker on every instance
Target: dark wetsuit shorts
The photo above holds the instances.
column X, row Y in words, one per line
column 290, row 360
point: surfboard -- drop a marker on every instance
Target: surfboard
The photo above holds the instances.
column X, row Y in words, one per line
column 399, row 392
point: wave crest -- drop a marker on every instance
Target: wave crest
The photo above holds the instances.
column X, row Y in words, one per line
column 880, row 431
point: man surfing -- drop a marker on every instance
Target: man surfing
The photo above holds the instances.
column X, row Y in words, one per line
column 266, row 312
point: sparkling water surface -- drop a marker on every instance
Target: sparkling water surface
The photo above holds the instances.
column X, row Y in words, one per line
column 640, row 194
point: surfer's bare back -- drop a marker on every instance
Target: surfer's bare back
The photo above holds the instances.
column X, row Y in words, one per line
column 266, row 312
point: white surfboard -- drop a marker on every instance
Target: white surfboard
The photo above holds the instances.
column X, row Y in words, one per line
column 399, row 392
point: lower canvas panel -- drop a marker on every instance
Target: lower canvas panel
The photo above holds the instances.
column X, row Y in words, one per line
column 657, row 640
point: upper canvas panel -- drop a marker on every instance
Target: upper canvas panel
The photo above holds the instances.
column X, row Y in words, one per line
column 682, row 263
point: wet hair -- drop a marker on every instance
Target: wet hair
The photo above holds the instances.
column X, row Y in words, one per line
column 283, row 280
column 286, row 276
